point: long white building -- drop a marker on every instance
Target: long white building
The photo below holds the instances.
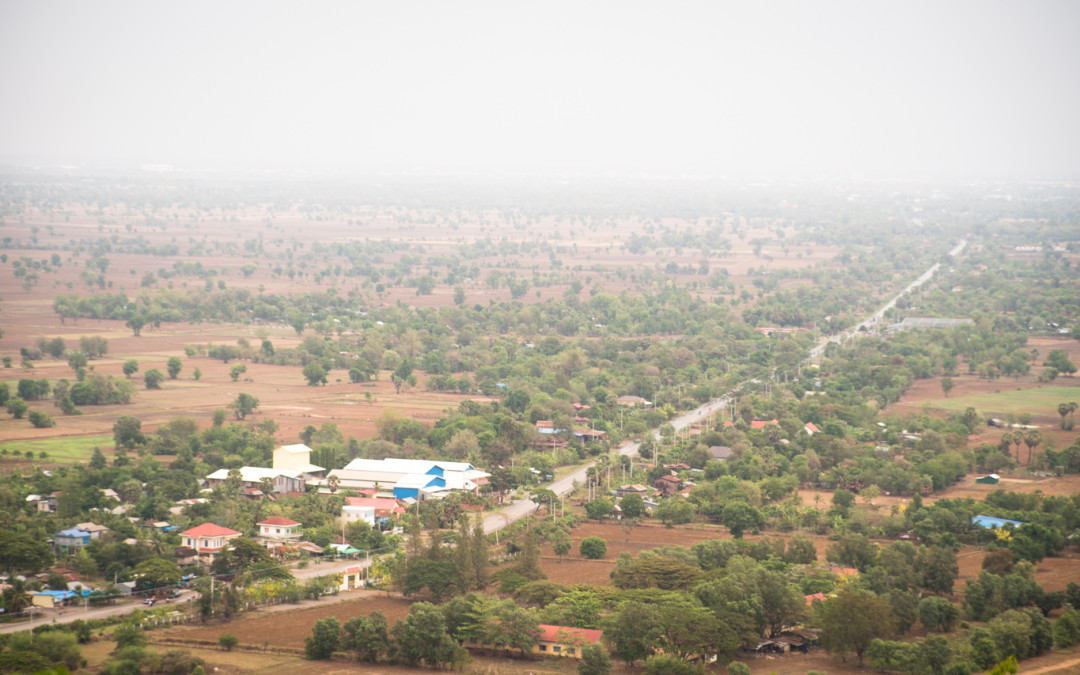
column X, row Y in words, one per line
column 410, row 478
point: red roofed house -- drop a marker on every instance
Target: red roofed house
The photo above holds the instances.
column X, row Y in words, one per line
column 555, row 641
column 811, row 428
column 278, row 531
column 760, row 424
column 563, row 641
column 208, row 540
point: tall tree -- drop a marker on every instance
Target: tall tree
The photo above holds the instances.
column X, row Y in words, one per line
column 851, row 620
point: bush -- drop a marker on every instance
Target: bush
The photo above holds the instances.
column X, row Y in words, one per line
column 594, row 661
column 593, row 548
column 228, row 641
column 666, row 664
column 40, row 420
column 738, row 668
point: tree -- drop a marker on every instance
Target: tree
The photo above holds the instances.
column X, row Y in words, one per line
column 236, row 370
column 197, row 373
column 560, row 543
column 157, row 572
column 593, row 548
column 854, row 550
column 130, row 367
column 129, row 634
column 20, row 551
column 16, row 407
column 153, row 378
column 136, row 324
column 127, row 432
column 367, row 636
column 228, row 641
column 938, row 613
column 632, row 506
column 77, row 360
column 1058, row 359
column 244, row 405
column 323, row 640
column 594, row 661
column 738, row 668
column 938, row 567
column 851, row 620
column 599, row 508
column 174, row 366
column 947, row 385
column 633, row 630
column 1032, row 439
column 421, row 636
column 40, row 420
column 315, row 374
column 739, row 517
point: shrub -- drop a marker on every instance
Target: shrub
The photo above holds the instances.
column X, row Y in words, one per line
column 593, row 548
column 228, row 641
column 40, row 420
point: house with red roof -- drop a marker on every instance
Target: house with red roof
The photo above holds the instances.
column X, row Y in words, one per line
column 811, row 428
column 760, row 424
column 554, row 641
column 208, row 540
column 565, row 641
column 278, row 531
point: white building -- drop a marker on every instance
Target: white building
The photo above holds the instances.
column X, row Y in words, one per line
column 296, row 458
column 410, row 478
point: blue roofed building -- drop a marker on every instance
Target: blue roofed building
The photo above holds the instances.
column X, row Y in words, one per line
column 70, row 541
column 411, row 485
column 990, row 522
column 50, row 599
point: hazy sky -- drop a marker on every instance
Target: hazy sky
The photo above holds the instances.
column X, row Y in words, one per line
column 933, row 88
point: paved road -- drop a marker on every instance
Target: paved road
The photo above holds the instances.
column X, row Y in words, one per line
column 520, row 509
column 873, row 319
column 564, row 485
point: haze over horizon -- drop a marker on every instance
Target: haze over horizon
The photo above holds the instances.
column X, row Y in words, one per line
column 917, row 89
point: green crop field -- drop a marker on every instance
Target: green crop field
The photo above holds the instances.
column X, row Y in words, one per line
column 67, row 450
column 1041, row 401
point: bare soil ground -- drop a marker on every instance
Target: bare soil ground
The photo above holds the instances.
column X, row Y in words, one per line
column 922, row 392
column 28, row 314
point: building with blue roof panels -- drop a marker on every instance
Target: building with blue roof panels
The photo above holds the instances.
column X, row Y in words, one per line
column 990, row 522
column 50, row 599
column 411, row 485
column 70, row 541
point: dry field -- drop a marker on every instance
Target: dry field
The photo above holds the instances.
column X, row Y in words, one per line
column 27, row 314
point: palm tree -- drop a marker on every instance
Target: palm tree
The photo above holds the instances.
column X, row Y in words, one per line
column 16, row 597
column 333, row 482
column 1032, row 439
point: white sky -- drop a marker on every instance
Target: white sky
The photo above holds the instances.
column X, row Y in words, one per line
column 932, row 88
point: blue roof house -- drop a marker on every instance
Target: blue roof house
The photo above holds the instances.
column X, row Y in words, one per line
column 70, row 541
column 50, row 599
column 991, row 523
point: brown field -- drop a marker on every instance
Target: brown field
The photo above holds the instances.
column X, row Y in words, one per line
column 1047, row 419
column 28, row 314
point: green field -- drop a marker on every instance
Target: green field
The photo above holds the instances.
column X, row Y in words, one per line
column 62, row 450
column 1041, row 401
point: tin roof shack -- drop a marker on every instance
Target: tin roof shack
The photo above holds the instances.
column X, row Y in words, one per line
column 990, row 479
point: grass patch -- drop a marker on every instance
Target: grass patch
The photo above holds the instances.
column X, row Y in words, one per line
column 67, row 450
column 1042, row 401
